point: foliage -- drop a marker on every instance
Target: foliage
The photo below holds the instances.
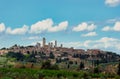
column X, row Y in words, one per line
column 18, row 56
column 7, row 78
column 81, row 65
column 118, row 72
column 17, row 73
column 58, row 60
column 51, row 55
column 96, row 70
column 68, row 66
column 46, row 65
column 54, row 67
column 70, row 62
column 96, row 62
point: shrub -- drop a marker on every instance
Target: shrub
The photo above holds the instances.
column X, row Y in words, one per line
column 6, row 78
column 96, row 70
column 117, row 77
column 118, row 72
column 46, row 65
column 70, row 62
column 81, row 65
column 54, row 67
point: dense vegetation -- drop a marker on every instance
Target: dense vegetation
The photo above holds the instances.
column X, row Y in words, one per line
column 19, row 66
column 15, row 73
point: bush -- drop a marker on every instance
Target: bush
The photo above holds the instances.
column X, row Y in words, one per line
column 54, row 67
column 70, row 62
column 6, row 78
column 96, row 70
column 40, row 75
column 81, row 65
column 117, row 77
column 46, row 65
column 118, row 72
column 51, row 55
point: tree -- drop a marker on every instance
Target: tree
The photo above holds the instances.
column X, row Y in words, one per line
column 96, row 70
column 46, row 65
column 54, row 67
column 51, row 55
column 18, row 56
column 70, row 62
column 58, row 60
column 118, row 68
column 96, row 62
column 81, row 65
column 30, row 58
column 68, row 66
column 76, row 62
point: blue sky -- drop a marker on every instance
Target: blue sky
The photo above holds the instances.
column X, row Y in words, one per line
column 74, row 23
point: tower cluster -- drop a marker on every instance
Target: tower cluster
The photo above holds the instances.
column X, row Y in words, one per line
column 50, row 44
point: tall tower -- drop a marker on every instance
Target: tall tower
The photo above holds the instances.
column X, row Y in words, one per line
column 44, row 41
column 38, row 45
column 55, row 43
column 61, row 45
column 51, row 44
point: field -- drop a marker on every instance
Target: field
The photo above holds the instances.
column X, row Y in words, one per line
column 16, row 73
column 12, row 69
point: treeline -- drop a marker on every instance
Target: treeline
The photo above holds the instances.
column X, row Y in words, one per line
column 29, row 57
column 103, row 57
column 20, row 57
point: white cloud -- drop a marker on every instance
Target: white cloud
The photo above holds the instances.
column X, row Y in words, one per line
column 107, row 28
column 2, row 27
column 47, row 25
column 53, row 41
column 113, row 20
column 112, row 3
column 72, row 44
column 33, row 37
column 89, row 34
column 106, row 39
column 40, row 26
column 60, row 27
column 18, row 31
column 107, row 43
column 84, row 27
column 104, row 43
column 34, row 43
column 86, row 43
column 116, row 27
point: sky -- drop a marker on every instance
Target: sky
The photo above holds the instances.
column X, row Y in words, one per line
column 83, row 24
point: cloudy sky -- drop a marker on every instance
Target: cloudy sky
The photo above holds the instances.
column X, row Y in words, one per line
column 74, row 23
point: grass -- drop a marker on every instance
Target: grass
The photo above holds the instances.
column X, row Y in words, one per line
column 24, row 73
column 3, row 59
column 35, row 72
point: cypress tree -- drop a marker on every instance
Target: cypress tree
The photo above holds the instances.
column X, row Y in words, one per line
column 81, row 65
column 118, row 68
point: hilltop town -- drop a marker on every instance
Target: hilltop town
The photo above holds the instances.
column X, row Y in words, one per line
column 57, row 60
column 63, row 53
